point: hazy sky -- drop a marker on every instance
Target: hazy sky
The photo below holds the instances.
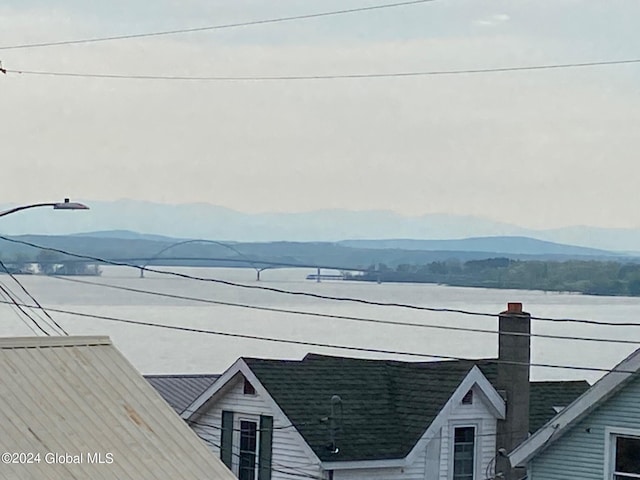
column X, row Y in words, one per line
column 535, row 148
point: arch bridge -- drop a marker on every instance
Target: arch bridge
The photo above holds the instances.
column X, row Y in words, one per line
column 253, row 263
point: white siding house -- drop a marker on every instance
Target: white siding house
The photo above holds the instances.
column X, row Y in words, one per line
column 468, row 410
column 289, row 454
column 482, row 418
column 597, row 437
column 338, row 418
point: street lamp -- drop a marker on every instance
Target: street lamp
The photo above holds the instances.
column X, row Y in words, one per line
column 66, row 205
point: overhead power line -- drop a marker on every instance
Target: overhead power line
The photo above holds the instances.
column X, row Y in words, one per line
column 310, row 294
column 213, row 27
column 33, row 312
column 299, row 469
column 57, row 329
column 118, row 76
column 17, row 312
column 346, row 317
column 381, row 431
column 45, row 313
column 6, row 293
column 306, row 343
column 243, row 285
column 301, row 474
column 289, row 472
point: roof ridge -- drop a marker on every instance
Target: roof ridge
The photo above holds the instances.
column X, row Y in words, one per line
column 557, row 382
column 320, row 356
column 48, row 342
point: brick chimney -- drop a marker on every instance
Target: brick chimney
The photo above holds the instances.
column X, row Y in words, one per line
column 514, row 353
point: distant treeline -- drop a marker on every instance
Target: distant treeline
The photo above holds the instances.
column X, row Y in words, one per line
column 49, row 263
column 588, row 277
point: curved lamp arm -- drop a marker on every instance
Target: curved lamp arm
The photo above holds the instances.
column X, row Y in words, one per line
column 66, row 205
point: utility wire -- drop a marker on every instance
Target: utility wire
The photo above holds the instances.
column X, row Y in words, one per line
column 218, row 427
column 32, row 311
column 344, row 317
column 6, row 296
column 214, row 27
column 297, row 470
column 303, row 474
column 243, row 285
column 492, row 464
column 14, row 297
column 13, row 277
column 310, row 294
column 382, row 430
column 183, row 328
column 554, row 66
column 307, row 475
column 20, row 307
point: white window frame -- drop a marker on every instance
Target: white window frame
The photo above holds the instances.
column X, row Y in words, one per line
column 610, row 434
column 238, row 418
column 476, row 447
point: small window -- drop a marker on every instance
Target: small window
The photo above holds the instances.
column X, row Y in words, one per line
column 626, row 458
column 463, row 453
column 468, row 398
column 248, row 388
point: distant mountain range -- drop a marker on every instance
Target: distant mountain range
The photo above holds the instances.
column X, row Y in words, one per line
column 138, row 249
column 160, row 221
column 128, row 235
column 486, row 245
column 496, row 245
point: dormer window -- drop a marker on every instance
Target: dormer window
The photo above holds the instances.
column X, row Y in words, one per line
column 464, row 453
column 248, row 388
column 468, row 398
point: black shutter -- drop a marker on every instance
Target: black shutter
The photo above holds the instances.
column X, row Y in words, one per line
column 226, row 442
column 266, row 440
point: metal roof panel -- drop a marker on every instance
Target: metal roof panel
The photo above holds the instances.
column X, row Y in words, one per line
column 79, row 396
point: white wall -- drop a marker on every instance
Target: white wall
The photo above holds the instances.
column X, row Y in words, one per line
column 287, row 455
column 434, row 462
column 582, row 451
column 479, row 415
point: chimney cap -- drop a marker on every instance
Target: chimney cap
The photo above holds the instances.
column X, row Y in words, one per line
column 514, row 307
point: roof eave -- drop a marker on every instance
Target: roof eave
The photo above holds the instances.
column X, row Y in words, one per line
column 583, row 405
column 360, row 464
column 61, row 341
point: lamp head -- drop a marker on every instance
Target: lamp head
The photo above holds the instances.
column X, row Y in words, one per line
column 67, row 205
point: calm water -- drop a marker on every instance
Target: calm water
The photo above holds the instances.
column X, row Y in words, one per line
column 156, row 350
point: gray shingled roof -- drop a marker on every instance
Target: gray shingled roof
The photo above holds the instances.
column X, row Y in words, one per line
column 387, row 405
column 180, row 391
column 385, row 409
column 545, row 396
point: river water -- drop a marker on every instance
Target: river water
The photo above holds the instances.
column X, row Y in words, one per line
column 157, row 350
